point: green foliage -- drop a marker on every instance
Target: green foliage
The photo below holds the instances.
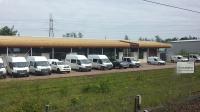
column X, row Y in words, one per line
column 75, row 101
column 73, row 35
column 8, row 31
column 126, row 37
column 158, row 39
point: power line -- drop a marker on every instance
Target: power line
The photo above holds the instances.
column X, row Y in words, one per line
column 167, row 5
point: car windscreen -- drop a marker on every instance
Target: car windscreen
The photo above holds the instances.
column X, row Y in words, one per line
column 19, row 64
column 61, row 63
column 1, row 65
column 157, row 59
column 42, row 63
column 133, row 59
column 85, row 61
column 105, row 60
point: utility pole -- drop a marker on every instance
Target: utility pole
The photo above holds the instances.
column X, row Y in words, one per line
column 51, row 27
column 51, row 33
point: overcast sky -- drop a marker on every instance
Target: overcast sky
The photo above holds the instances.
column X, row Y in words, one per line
column 100, row 18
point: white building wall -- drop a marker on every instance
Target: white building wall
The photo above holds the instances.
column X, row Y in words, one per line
column 144, row 60
column 47, row 55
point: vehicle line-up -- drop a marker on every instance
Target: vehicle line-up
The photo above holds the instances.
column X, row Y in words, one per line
column 40, row 65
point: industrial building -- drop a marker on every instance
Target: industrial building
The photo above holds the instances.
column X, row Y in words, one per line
column 188, row 46
column 59, row 47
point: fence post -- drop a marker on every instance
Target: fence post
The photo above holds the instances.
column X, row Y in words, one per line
column 138, row 101
column 46, row 108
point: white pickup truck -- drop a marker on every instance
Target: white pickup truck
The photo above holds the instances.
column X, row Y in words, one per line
column 59, row 66
column 178, row 58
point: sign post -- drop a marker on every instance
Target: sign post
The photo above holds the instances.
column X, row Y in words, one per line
column 185, row 67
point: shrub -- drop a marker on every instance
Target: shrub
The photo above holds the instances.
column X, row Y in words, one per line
column 101, row 87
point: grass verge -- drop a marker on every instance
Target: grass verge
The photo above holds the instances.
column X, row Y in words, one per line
column 106, row 93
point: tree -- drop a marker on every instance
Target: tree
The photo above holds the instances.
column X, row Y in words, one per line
column 158, row 39
column 8, row 31
column 170, row 39
column 73, row 35
column 80, row 35
column 126, row 37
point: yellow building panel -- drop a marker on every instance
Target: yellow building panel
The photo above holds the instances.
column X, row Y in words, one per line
column 12, row 41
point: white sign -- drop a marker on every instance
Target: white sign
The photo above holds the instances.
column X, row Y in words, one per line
column 185, row 67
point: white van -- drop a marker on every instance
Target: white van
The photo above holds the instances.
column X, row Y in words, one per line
column 17, row 66
column 178, row 58
column 59, row 66
column 2, row 69
column 100, row 62
column 132, row 61
column 78, row 62
column 39, row 65
column 194, row 57
column 155, row 61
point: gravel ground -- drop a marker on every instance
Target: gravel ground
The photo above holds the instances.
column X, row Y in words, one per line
column 189, row 105
column 93, row 72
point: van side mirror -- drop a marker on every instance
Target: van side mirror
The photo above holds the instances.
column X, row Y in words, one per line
column 78, row 63
column 35, row 66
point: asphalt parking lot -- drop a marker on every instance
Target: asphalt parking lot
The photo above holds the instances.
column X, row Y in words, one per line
column 92, row 73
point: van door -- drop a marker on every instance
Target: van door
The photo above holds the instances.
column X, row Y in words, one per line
column 31, row 67
column 54, row 66
column 155, row 61
column 95, row 63
column 73, row 64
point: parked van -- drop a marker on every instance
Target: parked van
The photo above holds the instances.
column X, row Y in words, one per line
column 178, row 58
column 59, row 66
column 132, row 61
column 78, row 62
column 2, row 69
column 155, row 61
column 194, row 57
column 17, row 66
column 39, row 65
column 100, row 62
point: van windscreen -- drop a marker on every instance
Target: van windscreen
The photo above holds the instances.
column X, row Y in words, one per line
column 85, row 61
column 1, row 65
column 61, row 63
column 42, row 63
column 105, row 60
column 18, row 64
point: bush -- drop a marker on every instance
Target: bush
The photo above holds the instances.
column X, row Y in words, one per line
column 101, row 87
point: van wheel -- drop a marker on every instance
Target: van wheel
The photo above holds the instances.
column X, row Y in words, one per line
column 49, row 73
column 102, row 68
column 80, row 70
column 12, row 75
column 3, row 76
column 58, row 70
column 131, row 66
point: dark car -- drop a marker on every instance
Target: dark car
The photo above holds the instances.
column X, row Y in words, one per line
column 120, row 64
